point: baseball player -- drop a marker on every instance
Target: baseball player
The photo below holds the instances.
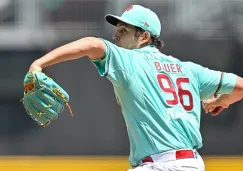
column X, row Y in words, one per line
column 160, row 96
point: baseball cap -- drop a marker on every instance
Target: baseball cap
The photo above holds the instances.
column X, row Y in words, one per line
column 139, row 16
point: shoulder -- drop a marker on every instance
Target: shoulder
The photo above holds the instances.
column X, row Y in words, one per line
column 191, row 65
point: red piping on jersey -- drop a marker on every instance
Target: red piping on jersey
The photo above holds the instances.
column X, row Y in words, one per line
column 218, row 88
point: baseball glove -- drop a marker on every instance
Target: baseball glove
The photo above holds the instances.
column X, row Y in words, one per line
column 43, row 98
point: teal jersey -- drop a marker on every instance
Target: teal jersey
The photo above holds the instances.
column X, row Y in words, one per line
column 160, row 97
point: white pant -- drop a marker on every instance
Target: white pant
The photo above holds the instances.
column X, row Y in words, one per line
column 168, row 162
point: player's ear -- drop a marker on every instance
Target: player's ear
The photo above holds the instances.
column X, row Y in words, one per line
column 146, row 37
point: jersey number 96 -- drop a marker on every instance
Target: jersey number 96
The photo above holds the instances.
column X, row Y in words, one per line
column 177, row 95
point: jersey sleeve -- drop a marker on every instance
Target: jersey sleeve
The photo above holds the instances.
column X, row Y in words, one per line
column 116, row 65
column 211, row 82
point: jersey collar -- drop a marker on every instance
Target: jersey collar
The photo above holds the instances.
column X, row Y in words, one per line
column 148, row 48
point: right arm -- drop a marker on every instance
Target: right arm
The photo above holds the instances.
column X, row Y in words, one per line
column 92, row 47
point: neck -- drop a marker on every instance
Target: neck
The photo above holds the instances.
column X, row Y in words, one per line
column 145, row 44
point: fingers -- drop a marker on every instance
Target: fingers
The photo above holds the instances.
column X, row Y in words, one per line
column 204, row 102
column 209, row 109
column 214, row 110
column 225, row 106
column 209, row 106
column 217, row 110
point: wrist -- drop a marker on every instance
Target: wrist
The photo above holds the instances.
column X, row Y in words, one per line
column 223, row 100
column 35, row 67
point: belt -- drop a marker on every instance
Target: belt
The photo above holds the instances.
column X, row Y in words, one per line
column 170, row 155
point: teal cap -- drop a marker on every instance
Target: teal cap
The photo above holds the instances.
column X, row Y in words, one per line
column 139, row 16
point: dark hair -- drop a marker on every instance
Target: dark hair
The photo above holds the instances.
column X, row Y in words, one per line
column 155, row 40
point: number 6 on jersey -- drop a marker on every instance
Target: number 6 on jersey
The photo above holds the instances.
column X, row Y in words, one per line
column 172, row 90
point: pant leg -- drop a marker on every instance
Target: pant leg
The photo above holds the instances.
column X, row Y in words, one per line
column 200, row 162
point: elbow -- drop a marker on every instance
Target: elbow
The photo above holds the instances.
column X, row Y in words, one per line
column 94, row 47
column 86, row 44
column 90, row 41
column 238, row 90
column 239, row 83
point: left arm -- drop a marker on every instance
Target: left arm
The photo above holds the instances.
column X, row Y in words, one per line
column 216, row 105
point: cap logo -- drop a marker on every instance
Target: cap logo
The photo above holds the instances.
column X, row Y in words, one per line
column 129, row 8
column 146, row 24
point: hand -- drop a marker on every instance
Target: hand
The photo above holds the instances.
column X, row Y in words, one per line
column 213, row 106
column 35, row 67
